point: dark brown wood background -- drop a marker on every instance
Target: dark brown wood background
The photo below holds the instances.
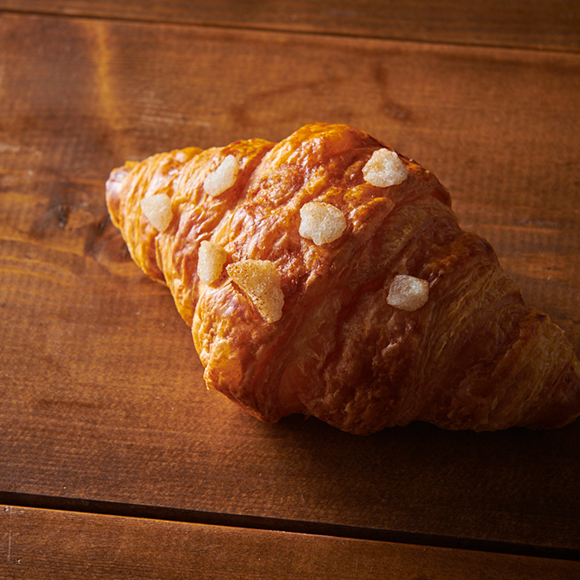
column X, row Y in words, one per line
column 115, row 461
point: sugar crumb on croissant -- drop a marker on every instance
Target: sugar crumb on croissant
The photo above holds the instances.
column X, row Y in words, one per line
column 337, row 283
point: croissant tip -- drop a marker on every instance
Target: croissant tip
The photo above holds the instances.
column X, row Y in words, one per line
column 563, row 407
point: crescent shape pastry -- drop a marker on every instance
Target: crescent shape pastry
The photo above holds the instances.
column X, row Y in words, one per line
column 328, row 275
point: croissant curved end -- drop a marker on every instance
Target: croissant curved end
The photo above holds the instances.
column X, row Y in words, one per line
column 335, row 281
column 114, row 188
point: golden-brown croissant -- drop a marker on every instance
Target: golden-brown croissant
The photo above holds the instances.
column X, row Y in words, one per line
column 327, row 275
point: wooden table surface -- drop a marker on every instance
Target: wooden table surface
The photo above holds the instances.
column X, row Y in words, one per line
column 115, row 461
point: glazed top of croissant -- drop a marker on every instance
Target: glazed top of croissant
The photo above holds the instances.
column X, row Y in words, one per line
column 327, row 275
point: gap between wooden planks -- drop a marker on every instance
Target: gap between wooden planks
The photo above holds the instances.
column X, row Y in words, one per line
column 538, row 24
column 37, row 543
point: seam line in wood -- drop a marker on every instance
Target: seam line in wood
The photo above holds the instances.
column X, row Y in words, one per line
column 241, row 521
column 288, row 31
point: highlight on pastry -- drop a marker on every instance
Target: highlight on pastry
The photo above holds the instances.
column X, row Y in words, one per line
column 328, row 275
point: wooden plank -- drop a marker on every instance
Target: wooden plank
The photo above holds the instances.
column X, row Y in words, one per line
column 485, row 121
column 48, row 544
column 553, row 25
column 102, row 394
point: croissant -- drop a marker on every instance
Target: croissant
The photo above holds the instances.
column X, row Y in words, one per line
column 327, row 275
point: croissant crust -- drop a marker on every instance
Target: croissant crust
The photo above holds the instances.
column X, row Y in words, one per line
column 294, row 326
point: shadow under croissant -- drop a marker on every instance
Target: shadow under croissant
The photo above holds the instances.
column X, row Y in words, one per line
column 405, row 478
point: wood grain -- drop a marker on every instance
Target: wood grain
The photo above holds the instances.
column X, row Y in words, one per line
column 538, row 24
column 48, row 544
column 83, row 96
column 101, row 390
